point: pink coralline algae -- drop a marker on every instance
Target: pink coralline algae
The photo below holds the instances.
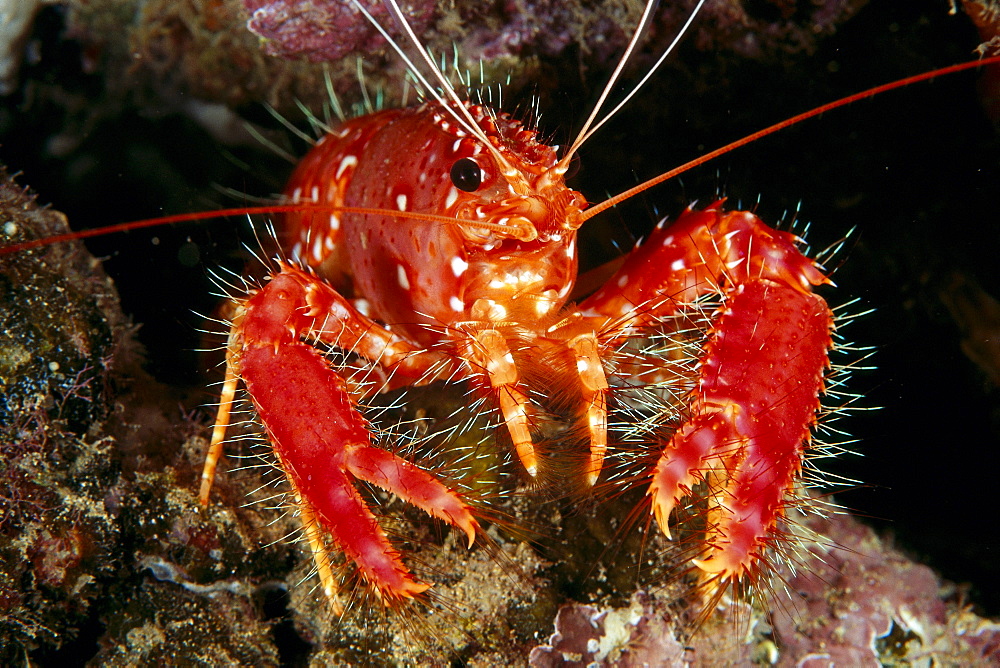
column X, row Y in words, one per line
column 325, row 30
column 857, row 602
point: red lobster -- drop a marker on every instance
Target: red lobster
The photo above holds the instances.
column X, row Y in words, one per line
column 467, row 273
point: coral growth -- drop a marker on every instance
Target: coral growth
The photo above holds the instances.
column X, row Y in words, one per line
column 325, row 30
column 54, row 307
column 858, row 603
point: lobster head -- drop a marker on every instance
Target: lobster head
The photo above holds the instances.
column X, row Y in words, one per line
column 501, row 248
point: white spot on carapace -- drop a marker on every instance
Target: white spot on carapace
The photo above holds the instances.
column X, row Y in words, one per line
column 296, row 195
column 297, row 252
column 545, row 302
column 317, row 249
column 582, row 366
column 458, row 266
column 315, row 193
column 422, row 178
column 667, row 240
column 678, row 265
column 347, row 162
column 404, row 281
column 571, row 248
column 457, row 145
column 530, row 277
column 364, row 307
column 456, row 304
column 401, row 202
column 508, row 358
column 334, row 222
column 622, row 281
column 497, row 311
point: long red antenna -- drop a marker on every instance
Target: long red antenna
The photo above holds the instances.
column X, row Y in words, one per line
column 812, row 113
column 248, row 211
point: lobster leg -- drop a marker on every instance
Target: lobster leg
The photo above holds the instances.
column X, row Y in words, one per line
column 320, row 438
column 343, row 327
column 576, row 335
column 761, row 372
column 488, row 350
column 595, row 388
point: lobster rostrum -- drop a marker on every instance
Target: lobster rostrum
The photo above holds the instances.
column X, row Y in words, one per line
column 465, row 273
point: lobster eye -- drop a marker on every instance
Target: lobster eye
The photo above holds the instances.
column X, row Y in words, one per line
column 467, row 175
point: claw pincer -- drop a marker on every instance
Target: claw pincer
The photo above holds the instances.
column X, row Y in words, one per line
column 323, row 442
column 761, row 375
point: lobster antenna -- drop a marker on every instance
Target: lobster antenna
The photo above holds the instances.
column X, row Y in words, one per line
column 465, row 120
column 590, row 127
column 459, row 109
column 510, row 229
column 781, row 125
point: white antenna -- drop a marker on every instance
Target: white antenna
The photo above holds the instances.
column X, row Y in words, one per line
column 462, row 115
column 589, row 127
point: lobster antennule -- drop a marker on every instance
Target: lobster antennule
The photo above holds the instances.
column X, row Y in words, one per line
column 462, row 116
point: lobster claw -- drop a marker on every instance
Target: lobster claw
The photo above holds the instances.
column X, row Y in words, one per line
column 760, row 375
column 323, row 442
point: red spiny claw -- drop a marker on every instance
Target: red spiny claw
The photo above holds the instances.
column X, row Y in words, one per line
column 320, row 438
column 761, row 373
column 413, row 485
column 767, row 357
column 761, row 376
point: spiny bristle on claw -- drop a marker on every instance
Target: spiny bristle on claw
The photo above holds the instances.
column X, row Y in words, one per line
column 736, row 450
